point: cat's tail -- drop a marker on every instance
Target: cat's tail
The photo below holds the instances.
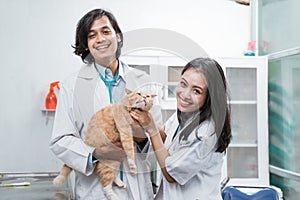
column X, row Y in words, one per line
column 62, row 176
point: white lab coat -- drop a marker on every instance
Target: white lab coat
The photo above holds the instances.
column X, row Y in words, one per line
column 67, row 142
column 194, row 164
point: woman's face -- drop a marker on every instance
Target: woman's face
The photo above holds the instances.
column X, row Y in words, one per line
column 191, row 91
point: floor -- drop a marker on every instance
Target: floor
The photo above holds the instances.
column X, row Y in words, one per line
column 40, row 188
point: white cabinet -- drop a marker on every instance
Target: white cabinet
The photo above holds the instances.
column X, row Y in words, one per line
column 247, row 160
column 247, row 155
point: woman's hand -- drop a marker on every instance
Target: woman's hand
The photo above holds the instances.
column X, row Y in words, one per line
column 145, row 120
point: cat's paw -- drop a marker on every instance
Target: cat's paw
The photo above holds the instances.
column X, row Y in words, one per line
column 119, row 183
column 112, row 197
column 59, row 180
column 132, row 167
column 133, row 170
column 109, row 193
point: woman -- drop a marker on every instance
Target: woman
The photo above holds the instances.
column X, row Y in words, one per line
column 190, row 148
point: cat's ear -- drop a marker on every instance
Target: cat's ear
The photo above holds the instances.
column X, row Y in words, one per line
column 127, row 91
column 153, row 95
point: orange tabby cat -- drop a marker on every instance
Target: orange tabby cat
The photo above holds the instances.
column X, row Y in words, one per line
column 111, row 124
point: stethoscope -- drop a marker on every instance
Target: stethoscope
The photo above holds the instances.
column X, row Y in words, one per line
column 108, row 83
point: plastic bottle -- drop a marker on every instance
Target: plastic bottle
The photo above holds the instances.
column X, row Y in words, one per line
column 51, row 99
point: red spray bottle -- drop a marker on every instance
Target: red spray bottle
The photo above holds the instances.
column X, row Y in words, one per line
column 51, row 99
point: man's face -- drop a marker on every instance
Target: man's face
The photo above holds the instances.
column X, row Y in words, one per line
column 103, row 41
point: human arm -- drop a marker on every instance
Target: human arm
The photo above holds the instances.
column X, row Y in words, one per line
column 194, row 156
column 161, row 155
column 139, row 132
column 187, row 158
column 67, row 141
column 145, row 119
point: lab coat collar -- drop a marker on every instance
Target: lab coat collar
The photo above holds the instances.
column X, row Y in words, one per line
column 90, row 72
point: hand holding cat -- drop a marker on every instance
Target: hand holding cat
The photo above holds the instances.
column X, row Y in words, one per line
column 146, row 121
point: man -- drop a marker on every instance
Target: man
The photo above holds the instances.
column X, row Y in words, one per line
column 101, row 81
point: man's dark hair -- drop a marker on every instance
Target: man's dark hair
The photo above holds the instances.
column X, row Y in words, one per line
column 82, row 31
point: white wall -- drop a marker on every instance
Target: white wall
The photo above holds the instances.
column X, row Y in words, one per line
column 36, row 38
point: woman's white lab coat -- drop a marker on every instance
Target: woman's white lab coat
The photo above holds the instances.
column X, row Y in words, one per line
column 67, row 141
column 194, row 164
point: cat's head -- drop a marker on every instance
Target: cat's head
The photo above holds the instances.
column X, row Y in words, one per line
column 138, row 100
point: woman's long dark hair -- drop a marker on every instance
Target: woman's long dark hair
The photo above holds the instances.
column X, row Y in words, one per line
column 215, row 105
column 82, row 31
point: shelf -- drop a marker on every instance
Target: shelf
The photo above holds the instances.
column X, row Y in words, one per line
column 242, row 102
column 234, row 145
column 47, row 110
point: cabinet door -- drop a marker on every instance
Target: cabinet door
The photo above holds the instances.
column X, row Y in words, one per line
column 247, row 155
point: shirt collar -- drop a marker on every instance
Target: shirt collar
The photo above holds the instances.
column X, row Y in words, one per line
column 103, row 70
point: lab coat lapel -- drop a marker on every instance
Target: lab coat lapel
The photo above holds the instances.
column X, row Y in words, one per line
column 83, row 102
column 172, row 126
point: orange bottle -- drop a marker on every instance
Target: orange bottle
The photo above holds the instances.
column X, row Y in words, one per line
column 51, row 99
